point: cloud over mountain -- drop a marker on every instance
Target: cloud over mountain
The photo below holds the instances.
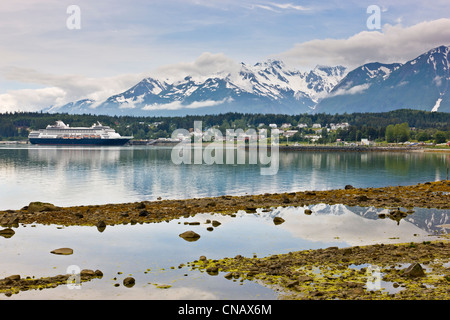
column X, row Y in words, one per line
column 394, row 43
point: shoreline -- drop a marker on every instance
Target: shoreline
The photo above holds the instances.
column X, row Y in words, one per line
column 281, row 147
column 424, row 195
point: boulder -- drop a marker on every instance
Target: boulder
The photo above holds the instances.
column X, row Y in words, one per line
column 129, row 282
column 7, row 233
column 40, row 207
column 190, row 235
column 278, row 220
column 101, row 226
column 212, row 271
column 87, row 273
column 414, row 270
column 14, row 277
column 62, row 251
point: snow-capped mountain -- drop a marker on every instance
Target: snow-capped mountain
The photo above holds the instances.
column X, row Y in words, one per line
column 421, row 83
column 268, row 87
column 271, row 87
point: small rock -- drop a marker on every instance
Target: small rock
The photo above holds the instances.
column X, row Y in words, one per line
column 215, row 223
column 14, row 277
column 129, row 282
column 349, row 186
column 308, row 212
column 98, row 273
column 229, row 275
column 140, row 205
column 190, row 236
column 212, row 271
column 278, row 220
column 143, row 213
column 62, row 251
column 414, row 270
column 88, row 273
column 101, row 225
column 7, row 233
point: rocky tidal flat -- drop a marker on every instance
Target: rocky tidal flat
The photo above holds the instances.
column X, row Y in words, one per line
column 411, row 271
column 405, row 271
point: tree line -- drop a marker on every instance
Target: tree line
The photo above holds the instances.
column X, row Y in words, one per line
column 394, row 126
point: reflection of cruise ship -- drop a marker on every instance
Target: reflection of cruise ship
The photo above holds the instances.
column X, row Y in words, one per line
column 62, row 134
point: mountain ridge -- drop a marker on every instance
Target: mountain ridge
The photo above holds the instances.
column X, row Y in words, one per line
column 267, row 87
column 421, row 84
column 271, row 87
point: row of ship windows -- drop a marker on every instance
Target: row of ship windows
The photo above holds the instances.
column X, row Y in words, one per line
column 73, row 131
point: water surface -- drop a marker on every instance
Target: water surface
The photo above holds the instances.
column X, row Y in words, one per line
column 152, row 253
column 67, row 176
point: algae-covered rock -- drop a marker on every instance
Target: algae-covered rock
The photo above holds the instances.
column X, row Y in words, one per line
column 40, row 207
column 129, row 282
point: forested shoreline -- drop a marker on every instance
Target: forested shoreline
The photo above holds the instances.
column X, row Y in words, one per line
column 395, row 126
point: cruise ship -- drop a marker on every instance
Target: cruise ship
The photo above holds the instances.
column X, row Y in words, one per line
column 62, row 134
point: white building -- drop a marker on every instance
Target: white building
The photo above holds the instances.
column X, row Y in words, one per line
column 289, row 133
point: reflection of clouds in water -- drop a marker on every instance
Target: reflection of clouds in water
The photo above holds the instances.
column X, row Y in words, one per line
column 88, row 290
column 328, row 222
column 93, row 157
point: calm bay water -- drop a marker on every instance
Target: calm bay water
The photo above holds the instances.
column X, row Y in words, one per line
column 69, row 176
column 151, row 253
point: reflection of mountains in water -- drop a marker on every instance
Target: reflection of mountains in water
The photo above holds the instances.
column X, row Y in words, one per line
column 426, row 219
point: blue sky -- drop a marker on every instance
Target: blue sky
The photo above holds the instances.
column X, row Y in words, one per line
column 43, row 62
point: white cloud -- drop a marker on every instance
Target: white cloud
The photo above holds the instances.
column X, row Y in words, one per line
column 349, row 90
column 289, row 6
column 277, row 7
column 205, row 66
column 59, row 89
column 177, row 105
column 394, row 43
column 30, row 99
column 438, row 80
